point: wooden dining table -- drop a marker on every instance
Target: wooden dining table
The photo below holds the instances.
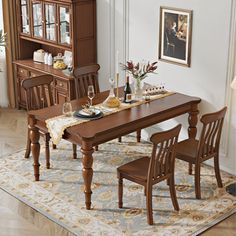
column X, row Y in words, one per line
column 90, row 134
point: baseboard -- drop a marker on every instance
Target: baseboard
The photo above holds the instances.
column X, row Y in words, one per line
column 222, row 167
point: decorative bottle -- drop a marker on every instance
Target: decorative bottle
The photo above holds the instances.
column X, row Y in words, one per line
column 45, row 58
column 50, row 60
column 127, row 91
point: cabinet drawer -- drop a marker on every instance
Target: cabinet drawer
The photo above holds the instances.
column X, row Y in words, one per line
column 34, row 74
column 61, row 84
column 22, row 72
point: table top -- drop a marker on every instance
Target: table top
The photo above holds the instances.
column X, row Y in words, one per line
column 122, row 122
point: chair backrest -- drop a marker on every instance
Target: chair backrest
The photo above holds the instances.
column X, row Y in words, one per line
column 163, row 154
column 85, row 76
column 38, row 92
column 209, row 141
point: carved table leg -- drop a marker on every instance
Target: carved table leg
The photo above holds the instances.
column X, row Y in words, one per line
column 87, row 151
column 192, row 120
column 35, row 146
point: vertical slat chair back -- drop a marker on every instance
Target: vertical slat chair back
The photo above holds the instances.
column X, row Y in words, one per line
column 38, row 92
column 163, row 154
column 85, row 76
column 211, row 133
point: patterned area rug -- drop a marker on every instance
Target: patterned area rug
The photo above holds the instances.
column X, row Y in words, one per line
column 59, row 194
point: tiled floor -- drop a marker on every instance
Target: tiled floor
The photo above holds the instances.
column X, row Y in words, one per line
column 17, row 219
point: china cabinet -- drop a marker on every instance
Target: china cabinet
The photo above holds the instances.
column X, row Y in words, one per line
column 56, row 27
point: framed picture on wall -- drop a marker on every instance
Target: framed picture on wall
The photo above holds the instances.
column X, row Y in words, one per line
column 175, row 35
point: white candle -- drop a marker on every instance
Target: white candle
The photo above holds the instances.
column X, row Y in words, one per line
column 117, row 62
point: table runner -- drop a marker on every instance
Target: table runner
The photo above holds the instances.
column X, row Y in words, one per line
column 58, row 124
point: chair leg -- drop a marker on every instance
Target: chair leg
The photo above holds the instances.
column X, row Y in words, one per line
column 28, row 146
column 120, row 192
column 149, row 205
column 119, row 139
column 138, row 133
column 145, row 191
column 54, row 146
column 74, row 146
column 190, row 168
column 47, row 153
column 168, row 181
column 197, row 180
column 173, row 192
column 217, row 171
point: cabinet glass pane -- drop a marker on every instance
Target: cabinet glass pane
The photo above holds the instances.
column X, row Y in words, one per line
column 50, row 12
column 64, row 25
column 37, row 19
column 25, row 16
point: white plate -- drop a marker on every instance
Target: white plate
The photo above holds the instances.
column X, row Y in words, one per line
column 83, row 113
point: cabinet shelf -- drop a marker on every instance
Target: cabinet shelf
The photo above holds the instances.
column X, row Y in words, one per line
column 49, row 43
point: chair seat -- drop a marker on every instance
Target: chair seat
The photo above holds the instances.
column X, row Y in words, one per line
column 135, row 170
column 186, row 150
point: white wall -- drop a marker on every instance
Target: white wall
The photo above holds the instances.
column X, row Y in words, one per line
column 207, row 76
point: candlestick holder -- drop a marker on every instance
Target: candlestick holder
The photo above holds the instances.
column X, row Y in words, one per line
column 117, row 85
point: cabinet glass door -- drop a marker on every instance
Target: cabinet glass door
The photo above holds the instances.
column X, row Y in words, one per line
column 37, row 19
column 25, row 17
column 50, row 21
column 64, row 23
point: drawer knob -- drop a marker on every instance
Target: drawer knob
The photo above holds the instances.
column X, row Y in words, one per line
column 60, row 84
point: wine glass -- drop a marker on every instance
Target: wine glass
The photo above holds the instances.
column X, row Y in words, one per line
column 91, row 94
column 67, row 109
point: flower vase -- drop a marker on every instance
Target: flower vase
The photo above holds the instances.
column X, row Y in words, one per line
column 138, row 89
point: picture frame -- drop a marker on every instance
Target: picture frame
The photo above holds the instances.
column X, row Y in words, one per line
column 175, row 35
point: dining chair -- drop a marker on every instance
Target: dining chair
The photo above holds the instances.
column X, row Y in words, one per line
column 196, row 151
column 85, row 76
column 148, row 171
column 88, row 75
column 38, row 94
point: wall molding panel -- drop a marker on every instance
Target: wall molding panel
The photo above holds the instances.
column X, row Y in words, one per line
column 126, row 30
column 231, row 72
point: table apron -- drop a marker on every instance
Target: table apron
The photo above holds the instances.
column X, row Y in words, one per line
column 140, row 124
